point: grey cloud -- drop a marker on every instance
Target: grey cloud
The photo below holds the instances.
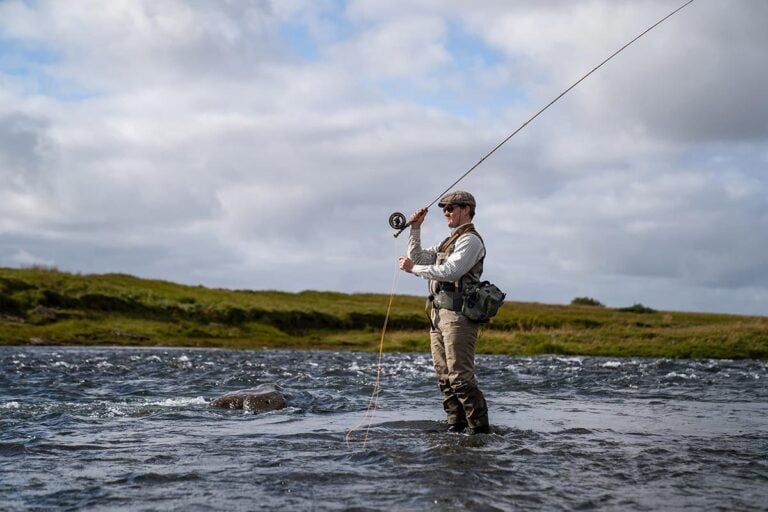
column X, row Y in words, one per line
column 697, row 78
column 108, row 47
column 24, row 148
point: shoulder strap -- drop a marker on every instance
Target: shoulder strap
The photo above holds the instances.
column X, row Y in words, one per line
column 451, row 240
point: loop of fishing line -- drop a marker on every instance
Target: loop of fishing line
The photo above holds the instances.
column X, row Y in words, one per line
column 373, row 401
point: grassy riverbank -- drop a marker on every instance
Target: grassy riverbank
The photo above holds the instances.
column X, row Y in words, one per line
column 39, row 306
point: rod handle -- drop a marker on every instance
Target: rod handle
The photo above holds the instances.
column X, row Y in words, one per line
column 397, row 233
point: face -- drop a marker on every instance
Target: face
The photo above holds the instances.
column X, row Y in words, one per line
column 456, row 215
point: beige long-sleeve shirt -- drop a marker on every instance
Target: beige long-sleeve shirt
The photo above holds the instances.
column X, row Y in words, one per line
column 466, row 253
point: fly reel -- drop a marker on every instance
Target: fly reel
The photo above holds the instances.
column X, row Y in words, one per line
column 397, row 220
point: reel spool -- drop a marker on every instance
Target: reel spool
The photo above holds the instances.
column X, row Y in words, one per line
column 397, row 221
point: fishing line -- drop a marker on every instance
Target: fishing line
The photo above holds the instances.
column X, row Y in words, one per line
column 397, row 220
column 373, row 402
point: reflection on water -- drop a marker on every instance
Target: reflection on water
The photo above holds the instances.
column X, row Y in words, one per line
column 130, row 429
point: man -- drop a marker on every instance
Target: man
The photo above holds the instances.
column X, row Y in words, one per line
column 451, row 268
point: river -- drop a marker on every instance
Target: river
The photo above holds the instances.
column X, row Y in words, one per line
column 131, row 429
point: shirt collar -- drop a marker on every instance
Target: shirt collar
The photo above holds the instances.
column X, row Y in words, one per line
column 459, row 227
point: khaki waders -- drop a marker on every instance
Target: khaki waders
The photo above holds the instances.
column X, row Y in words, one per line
column 453, row 338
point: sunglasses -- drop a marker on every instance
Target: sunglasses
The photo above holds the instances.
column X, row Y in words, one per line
column 450, row 207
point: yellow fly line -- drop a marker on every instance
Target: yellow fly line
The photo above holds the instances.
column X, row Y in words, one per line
column 373, row 402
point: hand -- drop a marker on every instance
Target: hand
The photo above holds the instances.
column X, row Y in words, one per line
column 406, row 264
column 417, row 217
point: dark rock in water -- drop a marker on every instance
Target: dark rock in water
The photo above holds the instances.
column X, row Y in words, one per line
column 265, row 397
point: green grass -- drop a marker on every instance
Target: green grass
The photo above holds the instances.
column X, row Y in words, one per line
column 39, row 306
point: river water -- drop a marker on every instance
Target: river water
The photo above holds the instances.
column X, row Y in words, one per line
column 130, row 429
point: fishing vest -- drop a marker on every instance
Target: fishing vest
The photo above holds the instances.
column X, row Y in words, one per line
column 446, row 294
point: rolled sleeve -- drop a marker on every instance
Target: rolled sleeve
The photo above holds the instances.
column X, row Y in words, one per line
column 416, row 253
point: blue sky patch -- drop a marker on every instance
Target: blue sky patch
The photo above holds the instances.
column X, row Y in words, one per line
column 468, row 50
column 296, row 35
column 331, row 20
column 32, row 63
column 20, row 58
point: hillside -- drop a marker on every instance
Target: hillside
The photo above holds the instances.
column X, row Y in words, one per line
column 39, row 306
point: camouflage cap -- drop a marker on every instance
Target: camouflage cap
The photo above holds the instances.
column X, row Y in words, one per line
column 457, row 197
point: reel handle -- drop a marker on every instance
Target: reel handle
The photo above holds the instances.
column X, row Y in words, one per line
column 397, row 233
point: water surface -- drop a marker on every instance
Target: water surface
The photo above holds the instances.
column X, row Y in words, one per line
column 130, row 429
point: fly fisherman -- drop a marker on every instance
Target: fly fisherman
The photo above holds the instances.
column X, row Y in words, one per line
column 452, row 267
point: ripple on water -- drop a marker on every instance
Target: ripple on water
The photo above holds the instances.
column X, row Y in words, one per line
column 131, row 429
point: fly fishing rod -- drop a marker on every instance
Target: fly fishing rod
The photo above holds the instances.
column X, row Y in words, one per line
column 397, row 220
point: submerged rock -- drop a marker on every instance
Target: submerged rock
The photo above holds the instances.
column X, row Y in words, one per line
column 264, row 397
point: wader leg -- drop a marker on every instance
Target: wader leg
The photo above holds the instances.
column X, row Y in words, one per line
column 459, row 337
column 451, row 404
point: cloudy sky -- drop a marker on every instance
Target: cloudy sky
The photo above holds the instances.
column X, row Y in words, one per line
column 263, row 144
